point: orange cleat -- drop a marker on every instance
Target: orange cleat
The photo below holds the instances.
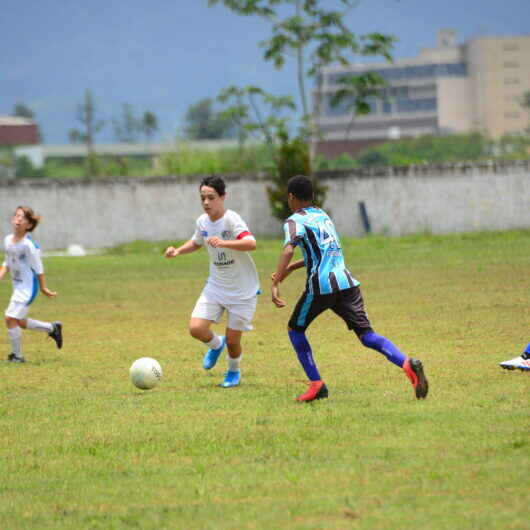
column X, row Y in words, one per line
column 316, row 390
column 414, row 370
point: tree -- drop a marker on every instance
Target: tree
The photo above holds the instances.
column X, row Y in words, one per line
column 23, row 111
column 255, row 113
column 354, row 93
column 149, row 124
column 316, row 37
column 127, row 127
column 204, row 123
column 86, row 115
column 262, row 116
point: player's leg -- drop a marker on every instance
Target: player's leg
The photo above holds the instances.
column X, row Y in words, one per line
column 307, row 309
column 350, row 307
column 522, row 362
column 200, row 329
column 15, row 312
column 53, row 329
column 232, row 376
column 205, row 313
column 240, row 317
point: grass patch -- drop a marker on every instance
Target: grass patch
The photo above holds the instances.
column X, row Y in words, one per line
column 80, row 447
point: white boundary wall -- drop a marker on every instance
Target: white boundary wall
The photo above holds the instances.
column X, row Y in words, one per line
column 105, row 212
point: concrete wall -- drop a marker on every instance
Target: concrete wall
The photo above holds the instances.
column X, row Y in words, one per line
column 444, row 199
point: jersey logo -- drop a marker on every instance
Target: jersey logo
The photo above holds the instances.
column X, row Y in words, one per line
column 225, row 234
column 22, row 257
column 223, row 260
column 204, row 233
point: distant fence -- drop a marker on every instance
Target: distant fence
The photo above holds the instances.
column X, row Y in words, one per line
column 396, row 201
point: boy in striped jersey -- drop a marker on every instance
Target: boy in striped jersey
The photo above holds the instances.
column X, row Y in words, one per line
column 329, row 285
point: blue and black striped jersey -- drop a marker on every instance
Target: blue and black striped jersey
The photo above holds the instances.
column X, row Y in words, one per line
column 314, row 232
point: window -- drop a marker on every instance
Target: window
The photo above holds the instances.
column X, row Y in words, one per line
column 416, row 105
column 510, row 64
column 387, row 107
column 409, row 72
column 422, row 90
column 511, row 115
column 511, row 81
column 510, row 47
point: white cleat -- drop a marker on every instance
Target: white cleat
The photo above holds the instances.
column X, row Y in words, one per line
column 516, row 363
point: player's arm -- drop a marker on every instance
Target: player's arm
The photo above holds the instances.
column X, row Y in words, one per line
column 281, row 272
column 245, row 244
column 35, row 262
column 186, row 248
column 43, row 288
column 298, row 264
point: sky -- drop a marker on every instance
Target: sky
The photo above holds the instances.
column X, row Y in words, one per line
column 165, row 55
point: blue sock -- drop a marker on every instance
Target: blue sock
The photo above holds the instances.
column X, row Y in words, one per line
column 305, row 356
column 384, row 346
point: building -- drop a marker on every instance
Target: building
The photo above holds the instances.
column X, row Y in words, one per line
column 451, row 88
column 21, row 135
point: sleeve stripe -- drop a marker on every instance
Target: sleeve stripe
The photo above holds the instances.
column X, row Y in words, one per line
column 243, row 234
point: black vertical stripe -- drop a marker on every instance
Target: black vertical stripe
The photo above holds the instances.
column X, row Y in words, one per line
column 316, row 249
column 349, row 278
column 333, row 282
column 309, row 260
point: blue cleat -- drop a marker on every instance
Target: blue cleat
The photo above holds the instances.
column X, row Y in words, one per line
column 210, row 359
column 231, row 379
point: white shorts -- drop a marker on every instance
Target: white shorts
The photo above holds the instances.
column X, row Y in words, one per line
column 240, row 314
column 17, row 309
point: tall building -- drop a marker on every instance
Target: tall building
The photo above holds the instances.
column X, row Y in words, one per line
column 477, row 86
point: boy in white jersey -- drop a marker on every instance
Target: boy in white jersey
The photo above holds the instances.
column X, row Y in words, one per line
column 232, row 283
column 23, row 261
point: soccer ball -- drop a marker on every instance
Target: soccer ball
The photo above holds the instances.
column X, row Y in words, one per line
column 145, row 373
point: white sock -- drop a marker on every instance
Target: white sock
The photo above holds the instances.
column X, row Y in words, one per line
column 215, row 343
column 15, row 338
column 233, row 363
column 41, row 326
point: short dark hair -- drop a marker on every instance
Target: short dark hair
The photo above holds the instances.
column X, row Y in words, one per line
column 301, row 187
column 215, row 182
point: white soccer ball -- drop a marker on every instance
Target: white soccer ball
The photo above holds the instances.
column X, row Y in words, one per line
column 145, row 373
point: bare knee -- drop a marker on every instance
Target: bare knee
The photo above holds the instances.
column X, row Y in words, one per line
column 12, row 322
column 199, row 331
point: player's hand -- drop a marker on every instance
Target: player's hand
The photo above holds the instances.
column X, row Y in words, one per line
column 48, row 293
column 215, row 242
column 276, row 300
column 170, row 252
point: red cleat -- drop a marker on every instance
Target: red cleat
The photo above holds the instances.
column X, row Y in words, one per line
column 316, row 390
column 414, row 370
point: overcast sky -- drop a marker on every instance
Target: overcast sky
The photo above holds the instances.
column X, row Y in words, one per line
column 165, row 55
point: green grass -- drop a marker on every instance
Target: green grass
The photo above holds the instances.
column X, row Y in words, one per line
column 80, row 447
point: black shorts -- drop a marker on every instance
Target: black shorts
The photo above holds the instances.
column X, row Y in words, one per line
column 347, row 304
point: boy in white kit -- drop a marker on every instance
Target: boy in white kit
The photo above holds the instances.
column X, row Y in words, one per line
column 23, row 261
column 232, row 283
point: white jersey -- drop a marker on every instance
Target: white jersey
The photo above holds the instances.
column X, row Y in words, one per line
column 233, row 275
column 24, row 262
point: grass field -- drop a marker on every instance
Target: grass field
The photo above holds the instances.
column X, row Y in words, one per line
column 80, row 447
